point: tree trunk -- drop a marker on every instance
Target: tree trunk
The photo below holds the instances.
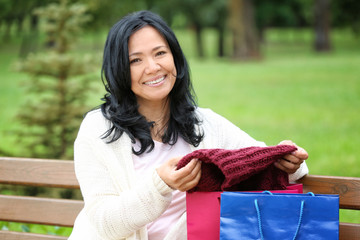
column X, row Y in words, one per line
column 34, row 20
column 6, row 37
column 199, row 42
column 221, row 39
column 242, row 23
column 30, row 38
column 322, row 25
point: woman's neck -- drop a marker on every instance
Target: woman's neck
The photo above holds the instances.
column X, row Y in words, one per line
column 159, row 114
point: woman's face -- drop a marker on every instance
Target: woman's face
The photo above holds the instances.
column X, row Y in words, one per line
column 152, row 68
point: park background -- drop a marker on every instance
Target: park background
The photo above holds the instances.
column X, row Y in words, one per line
column 287, row 69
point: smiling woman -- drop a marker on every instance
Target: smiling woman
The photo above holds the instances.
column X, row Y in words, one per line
column 126, row 153
column 139, row 51
column 153, row 75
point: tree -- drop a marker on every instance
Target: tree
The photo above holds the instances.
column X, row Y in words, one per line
column 14, row 12
column 345, row 13
column 193, row 10
column 246, row 43
column 322, row 25
column 106, row 12
column 56, row 93
column 219, row 22
column 281, row 13
column 199, row 14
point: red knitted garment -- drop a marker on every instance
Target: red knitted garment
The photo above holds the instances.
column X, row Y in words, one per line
column 243, row 169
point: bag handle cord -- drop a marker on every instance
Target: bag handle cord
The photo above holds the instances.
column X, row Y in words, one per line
column 299, row 221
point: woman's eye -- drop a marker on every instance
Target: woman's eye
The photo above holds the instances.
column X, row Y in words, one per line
column 160, row 53
column 135, row 60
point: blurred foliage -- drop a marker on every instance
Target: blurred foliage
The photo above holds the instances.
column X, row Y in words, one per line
column 283, row 13
column 63, row 23
column 200, row 14
column 275, row 13
column 196, row 14
column 59, row 83
column 106, row 12
column 60, row 79
column 346, row 13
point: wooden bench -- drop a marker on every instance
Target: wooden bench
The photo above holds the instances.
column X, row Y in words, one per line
column 38, row 210
column 62, row 212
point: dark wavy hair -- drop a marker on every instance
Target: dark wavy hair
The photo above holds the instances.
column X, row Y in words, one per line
column 121, row 107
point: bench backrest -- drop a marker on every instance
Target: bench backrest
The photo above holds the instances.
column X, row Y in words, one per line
column 38, row 210
column 62, row 212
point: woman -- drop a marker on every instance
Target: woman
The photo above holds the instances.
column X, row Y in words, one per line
column 126, row 152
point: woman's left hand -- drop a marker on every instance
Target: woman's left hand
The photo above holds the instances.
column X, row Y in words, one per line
column 291, row 162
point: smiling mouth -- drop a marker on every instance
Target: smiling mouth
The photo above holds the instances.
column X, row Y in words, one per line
column 155, row 81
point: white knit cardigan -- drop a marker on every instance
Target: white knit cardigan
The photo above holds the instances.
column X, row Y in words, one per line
column 117, row 205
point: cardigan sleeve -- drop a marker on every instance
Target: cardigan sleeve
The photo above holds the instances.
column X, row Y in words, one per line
column 116, row 213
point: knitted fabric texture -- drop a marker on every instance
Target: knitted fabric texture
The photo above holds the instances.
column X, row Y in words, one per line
column 242, row 169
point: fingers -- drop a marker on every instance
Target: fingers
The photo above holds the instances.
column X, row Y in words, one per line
column 300, row 153
column 287, row 142
column 291, row 162
column 292, row 158
column 188, row 176
column 287, row 166
column 182, row 179
column 192, row 176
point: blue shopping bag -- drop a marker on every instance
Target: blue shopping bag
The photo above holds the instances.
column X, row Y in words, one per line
column 269, row 216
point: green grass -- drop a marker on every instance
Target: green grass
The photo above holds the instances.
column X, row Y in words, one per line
column 36, row 228
column 10, row 98
column 311, row 101
column 291, row 93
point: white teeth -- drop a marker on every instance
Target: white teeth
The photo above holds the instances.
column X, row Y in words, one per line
column 155, row 81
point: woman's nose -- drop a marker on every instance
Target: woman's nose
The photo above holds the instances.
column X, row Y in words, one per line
column 152, row 66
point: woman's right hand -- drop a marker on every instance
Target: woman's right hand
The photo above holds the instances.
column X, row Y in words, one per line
column 182, row 179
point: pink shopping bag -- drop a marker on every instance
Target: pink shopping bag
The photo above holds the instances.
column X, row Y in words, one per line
column 203, row 213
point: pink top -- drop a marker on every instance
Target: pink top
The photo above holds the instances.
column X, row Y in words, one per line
column 145, row 164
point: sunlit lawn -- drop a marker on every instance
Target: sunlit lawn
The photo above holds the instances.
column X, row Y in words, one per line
column 313, row 99
column 292, row 93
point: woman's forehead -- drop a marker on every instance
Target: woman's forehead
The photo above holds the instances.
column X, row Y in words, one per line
column 146, row 38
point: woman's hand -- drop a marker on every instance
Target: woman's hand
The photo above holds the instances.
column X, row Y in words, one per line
column 183, row 179
column 291, row 162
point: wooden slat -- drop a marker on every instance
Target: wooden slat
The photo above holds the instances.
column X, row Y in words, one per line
column 349, row 231
column 59, row 212
column 8, row 235
column 38, row 172
column 348, row 188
